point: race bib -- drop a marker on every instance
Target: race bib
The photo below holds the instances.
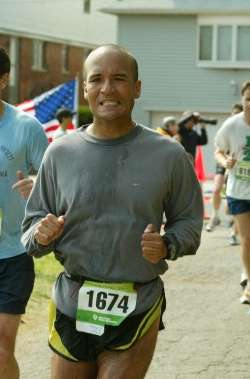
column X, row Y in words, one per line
column 1, row 221
column 101, row 304
column 243, row 170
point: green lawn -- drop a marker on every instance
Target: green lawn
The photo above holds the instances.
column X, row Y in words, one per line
column 47, row 269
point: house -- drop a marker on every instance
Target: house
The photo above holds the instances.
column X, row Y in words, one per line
column 49, row 40
column 193, row 55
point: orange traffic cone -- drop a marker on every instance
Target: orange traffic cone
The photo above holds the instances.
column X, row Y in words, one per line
column 199, row 165
column 201, row 175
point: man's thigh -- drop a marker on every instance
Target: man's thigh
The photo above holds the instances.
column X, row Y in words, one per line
column 132, row 363
column 62, row 368
column 8, row 330
column 243, row 223
column 218, row 182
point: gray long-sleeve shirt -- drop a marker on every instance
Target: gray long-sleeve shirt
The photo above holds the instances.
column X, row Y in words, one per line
column 109, row 191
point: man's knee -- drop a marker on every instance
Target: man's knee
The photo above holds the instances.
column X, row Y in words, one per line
column 217, row 191
column 245, row 240
column 6, row 351
column 8, row 331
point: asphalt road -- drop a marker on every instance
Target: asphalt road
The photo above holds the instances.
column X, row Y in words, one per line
column 207, row 333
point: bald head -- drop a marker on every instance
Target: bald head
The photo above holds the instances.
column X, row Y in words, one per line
column 109, row 49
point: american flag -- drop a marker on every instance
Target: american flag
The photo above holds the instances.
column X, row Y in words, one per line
column 45, row 106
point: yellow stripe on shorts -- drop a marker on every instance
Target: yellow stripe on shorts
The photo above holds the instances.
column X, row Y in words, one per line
column 54, row 338
column 147, row 321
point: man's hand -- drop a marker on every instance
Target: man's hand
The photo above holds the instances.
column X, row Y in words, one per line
column 23, row 185
column 153, row 246
column 49, row 229
column 230, row 161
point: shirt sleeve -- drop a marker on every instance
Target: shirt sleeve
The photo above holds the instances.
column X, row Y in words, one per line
column 202, row 138
column 184, row 210
column 37, row 144
column 41, row 201
column 221, row 140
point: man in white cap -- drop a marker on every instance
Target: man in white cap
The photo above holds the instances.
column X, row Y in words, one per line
column 169, row 127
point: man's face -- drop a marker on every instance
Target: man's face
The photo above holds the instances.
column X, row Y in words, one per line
column 110, row 87
column 246, row 102
column 3, row 81
column 66, row 121
column 190, row 124
column 173, row 128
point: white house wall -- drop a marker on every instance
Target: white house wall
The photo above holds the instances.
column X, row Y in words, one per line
column 60, row 20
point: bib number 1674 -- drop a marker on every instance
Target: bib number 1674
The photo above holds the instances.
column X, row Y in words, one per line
column 107, row 301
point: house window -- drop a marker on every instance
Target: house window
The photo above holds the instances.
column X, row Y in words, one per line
column 86, row 6
column 65, row 58
column 206, row 41
column 243, row 43
column 224, row 45
column 39, row 58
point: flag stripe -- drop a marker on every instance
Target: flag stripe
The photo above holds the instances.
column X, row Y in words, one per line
column 45, row 106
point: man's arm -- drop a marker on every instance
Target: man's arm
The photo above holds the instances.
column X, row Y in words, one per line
column 202, row 138
column 184, row 210
column 41, row 203
column 223, row 159
column 23, row 185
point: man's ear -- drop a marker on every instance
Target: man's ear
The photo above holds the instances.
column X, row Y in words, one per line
column 137, row 89
column 85, row 92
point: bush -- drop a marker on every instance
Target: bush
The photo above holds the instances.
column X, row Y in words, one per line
column 84, row 115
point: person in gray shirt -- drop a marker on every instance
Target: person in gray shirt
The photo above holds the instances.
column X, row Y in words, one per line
column 98, row 204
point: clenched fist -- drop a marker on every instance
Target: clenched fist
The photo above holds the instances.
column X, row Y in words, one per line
column 23, row 185
column 153, row 246
column 49, row 229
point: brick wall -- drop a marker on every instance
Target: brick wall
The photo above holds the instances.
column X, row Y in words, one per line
column 4, row 42
column 33, row 82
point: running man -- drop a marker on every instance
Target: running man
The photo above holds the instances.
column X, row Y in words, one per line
column 233, row 152
column 102, row 217
column 22, row 145
column 219, row 181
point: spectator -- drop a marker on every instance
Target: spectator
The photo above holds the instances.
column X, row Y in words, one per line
column 189, row 137
column 64, row 117
column 169, row 127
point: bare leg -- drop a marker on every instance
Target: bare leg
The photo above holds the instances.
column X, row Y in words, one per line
column 63, row 369
column 216, row 197
column 243, row 223
column 132, row 363
column 8, row 331
column 216, row 201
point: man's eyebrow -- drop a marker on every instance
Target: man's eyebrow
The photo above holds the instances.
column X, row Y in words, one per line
column 123, row 74
column 94, row 75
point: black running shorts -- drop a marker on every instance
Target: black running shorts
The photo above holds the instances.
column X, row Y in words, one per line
column 16, row 283
column 77, row 346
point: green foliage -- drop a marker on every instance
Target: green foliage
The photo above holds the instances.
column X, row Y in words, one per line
column 47, row 269
column 84, row 115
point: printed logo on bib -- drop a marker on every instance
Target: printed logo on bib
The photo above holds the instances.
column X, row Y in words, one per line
column 243, row 170
column 101, row 304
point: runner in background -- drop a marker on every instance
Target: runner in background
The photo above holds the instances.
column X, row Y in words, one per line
column 219, row 182
column 22, row 145
column 232, row 144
